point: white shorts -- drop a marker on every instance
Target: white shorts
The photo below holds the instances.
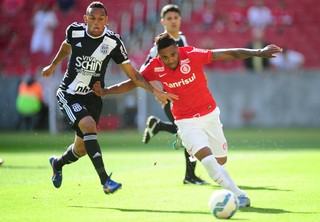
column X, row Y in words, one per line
column 204, row 131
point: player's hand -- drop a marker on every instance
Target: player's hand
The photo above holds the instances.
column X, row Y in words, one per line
column 47, row 71
column 269, row 51
column 163, row 97
column 97, row 89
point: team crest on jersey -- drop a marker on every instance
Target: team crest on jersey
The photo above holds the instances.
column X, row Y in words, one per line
column 185, row 68
column 76, row 107
column 104, row 49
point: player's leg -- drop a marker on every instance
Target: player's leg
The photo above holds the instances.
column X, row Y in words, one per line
column 219, row 147
column 155, row 125
column 70, row 108
column 88, row 127
column 218, row 174
column 68, row 157
column 83, row 114
column 190, row 177
column 193, row 134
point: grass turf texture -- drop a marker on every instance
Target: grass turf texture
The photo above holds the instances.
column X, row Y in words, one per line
column 278, row 168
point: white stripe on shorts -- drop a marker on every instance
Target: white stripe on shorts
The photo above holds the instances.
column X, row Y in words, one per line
column 66, row 107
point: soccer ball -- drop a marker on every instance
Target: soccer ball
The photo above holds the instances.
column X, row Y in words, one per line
column 223, row 204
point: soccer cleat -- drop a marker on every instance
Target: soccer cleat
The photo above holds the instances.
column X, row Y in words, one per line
column 57, row 175
column 151, row 128
column 111, row 186
column 194, row 180
column 244, row 201
column 178, row 143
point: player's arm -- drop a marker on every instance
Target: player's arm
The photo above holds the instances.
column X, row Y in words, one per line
column 118, row 88
column 244, row 53
column 140, row 81
column 64, row 51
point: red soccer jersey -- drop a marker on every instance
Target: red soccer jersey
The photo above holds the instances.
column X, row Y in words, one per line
column 188, row 81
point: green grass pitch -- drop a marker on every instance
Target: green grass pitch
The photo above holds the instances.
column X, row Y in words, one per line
column 278, row 168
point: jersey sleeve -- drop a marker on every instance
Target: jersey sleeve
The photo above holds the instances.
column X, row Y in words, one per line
column 119, row 53
column 74, row 31
column 147, row 72
column 200, row 56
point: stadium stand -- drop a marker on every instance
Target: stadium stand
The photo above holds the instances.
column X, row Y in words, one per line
column 302, row 35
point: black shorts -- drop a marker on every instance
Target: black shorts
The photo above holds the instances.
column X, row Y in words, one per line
column 76, row 107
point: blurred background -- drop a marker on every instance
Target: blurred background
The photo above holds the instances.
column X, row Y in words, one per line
column 282, row 92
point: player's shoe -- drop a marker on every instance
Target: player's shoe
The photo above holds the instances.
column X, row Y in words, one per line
column 111, row 186
column 57, row 175
column 244, row 201
column 151, row 128
column 194, row 180
column 178, row 143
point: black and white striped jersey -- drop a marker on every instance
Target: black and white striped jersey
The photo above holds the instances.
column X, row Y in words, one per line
column 181, row 41
column 90, row 57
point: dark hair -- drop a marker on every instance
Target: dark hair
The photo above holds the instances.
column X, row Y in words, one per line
column 169, row 8
column 164, row 40
column 96, row 4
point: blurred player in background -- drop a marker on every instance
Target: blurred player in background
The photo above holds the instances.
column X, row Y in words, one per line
column 91, row 45
column 171, row 21
column 180, row 70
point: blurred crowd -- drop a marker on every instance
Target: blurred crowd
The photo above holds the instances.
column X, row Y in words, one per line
column 30, row 32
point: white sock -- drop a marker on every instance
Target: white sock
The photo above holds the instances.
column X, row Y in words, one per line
column 220, row 175
column 232, row 186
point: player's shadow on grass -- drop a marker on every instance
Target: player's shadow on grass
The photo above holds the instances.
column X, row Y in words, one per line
column 24, row 167
column 271, row 211
column 245, row 209
column 143, row 210
column 269, row 188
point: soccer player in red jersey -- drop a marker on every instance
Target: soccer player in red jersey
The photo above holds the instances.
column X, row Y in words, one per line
column 171, row 21
column 180, row 70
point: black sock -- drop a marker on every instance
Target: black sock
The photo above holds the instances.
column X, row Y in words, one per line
column 94, row 152
column 167, row 126
column 190, row 166
column 68, row 157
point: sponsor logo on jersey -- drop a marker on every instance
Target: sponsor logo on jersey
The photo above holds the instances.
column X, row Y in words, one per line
column 77, row 33
column 182, row 82
column 88, row 63
column 76, row 107
column 162, row 75
column 184, row 61
column 159, row 69
column 81, row 88
column 185, row 68
column 199, row 50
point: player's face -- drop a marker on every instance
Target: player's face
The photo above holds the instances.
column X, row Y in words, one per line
column 171, row 22
column 96, row 19
column 170, row 56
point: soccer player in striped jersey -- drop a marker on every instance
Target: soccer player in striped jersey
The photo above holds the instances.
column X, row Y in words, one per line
column 90, row 45
column 171, row 21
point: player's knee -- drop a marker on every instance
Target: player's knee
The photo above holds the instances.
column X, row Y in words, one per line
column 222, row 160
column 88, row 125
